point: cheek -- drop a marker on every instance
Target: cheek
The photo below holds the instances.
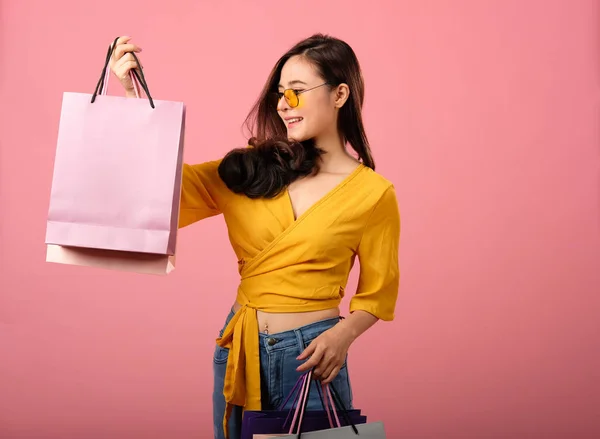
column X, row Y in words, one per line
column 318, row 115
column 322, row 118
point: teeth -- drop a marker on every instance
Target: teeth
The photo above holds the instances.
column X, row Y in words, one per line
column 298, row 119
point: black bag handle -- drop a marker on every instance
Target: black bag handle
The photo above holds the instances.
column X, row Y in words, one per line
column 141, row 79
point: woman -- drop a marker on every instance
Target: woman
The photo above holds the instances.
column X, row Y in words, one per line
column 299, row 210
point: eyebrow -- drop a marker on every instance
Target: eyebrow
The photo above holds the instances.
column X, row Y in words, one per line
column 294, row 82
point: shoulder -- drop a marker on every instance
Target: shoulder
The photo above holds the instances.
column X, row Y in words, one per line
column 210, row 164
column 203, row 174
column 203, row 170
column 383, row 207
column 377, row 184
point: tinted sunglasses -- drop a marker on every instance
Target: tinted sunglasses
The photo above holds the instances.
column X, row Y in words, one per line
column 291, row 95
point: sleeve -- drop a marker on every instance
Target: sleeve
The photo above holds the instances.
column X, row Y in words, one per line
column 377, row 251
column 202, row 192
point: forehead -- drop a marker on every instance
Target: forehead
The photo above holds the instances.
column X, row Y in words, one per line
column 297, row 68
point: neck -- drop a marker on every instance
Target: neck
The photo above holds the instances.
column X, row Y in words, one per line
column 335, row 150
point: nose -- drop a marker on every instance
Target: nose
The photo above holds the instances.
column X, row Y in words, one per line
column 282, row 104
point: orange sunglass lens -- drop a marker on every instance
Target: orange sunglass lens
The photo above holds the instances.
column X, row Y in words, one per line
column 291, row 98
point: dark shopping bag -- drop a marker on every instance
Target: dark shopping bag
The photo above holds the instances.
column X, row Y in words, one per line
column 259, row 424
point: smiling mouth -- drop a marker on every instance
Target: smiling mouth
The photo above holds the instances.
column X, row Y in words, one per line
column 294, row 121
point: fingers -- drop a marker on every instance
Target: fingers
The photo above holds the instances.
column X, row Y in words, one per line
column 312, row 362
column 324, row 369
column 330, row 375
column 123, row 70
column 128, row 59
column 122, row 61
column 325, row 366
column 307, row 352
column 124, row 65
column 123, row 39
column 123, row 49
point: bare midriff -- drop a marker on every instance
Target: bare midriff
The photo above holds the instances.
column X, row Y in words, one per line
column 272, row 323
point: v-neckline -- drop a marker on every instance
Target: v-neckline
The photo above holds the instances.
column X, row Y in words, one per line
column 289, row 208
column 329, row 194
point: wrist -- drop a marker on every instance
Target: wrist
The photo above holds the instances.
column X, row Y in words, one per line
column 355, row 325
column 346, row 331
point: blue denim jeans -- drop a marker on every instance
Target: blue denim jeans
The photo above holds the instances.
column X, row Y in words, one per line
column 278, row 374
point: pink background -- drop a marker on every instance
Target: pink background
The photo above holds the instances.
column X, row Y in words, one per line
column 483, row 113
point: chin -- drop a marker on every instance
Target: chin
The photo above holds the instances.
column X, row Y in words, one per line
column 299, row 137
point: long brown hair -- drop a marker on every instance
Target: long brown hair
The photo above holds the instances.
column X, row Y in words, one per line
column 273, row 161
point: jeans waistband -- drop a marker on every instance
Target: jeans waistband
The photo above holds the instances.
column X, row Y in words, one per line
column 293, row 337
column 300, row 335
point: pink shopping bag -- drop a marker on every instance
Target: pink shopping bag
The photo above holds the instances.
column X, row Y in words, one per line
column 117, row 176
column 144, row 263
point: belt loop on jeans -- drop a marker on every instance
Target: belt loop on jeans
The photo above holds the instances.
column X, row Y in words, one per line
column 300, row 339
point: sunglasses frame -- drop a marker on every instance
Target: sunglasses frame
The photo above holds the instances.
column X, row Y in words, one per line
column 281, row 94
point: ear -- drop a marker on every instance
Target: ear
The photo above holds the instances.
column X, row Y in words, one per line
column 341, row 95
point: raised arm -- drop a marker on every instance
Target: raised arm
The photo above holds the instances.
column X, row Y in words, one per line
column 203, row 193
